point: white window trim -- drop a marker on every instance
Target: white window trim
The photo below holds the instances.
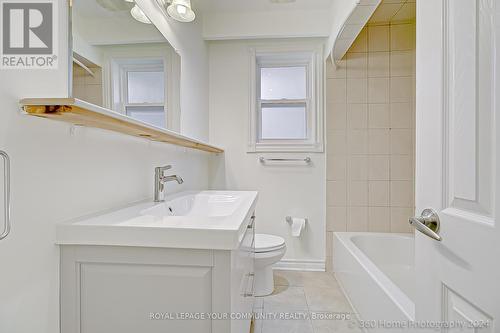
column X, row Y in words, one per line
column 288, row 56
column 112, row 57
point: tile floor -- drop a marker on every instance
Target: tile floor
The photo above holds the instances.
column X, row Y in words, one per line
column 304, row 296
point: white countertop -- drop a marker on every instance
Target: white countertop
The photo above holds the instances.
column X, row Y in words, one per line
column 144, row 224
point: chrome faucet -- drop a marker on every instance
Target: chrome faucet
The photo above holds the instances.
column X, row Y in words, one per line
column 161, row 179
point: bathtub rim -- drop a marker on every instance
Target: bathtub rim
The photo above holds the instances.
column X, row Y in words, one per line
column 400, row 299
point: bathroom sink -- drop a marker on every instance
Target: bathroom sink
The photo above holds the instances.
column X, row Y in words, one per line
column 197, row 204
column 192, row 219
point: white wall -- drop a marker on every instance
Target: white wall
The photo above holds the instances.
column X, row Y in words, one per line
column 271, row 24
column 56, row 177
column 283, row 190
column 114, row 30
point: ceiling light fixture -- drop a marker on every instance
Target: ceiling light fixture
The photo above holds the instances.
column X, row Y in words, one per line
column 139, row 15
column 179, row 10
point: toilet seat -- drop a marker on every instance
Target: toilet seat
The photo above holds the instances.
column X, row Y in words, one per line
column 268, row 243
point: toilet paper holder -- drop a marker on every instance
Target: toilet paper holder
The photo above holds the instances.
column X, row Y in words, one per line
column 297, row 225
column 289, row 220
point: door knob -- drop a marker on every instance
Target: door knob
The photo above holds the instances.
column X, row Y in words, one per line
column 428, row 223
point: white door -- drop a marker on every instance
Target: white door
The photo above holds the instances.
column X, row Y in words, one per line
column 458, row 85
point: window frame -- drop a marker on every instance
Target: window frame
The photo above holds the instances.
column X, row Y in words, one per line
column 269, row 57
column 144, row 67
column 115, row 56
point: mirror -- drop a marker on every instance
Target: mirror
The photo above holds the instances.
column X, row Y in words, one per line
column 123, row 63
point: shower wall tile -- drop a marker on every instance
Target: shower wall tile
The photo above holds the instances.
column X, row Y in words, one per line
column 399, row 219
column 378, row 90
column 86, row 86
column 379, row 219
column 379, row 167
column 357, row 90
column 336, row 142
column 357, row 116
column 358, row 167
column 401, row 115
column 401, row 141
column 336, row 114
column 401, row 89
column 401, row 193
column 401, row 63
column 336, row 90
column 402, row 37
column 379, row 193
column 378, row 64
column 401, row 167
column 378, row 38
column 358, row 219
column 358, row 193
column 336, row 194
column 336, row 219
column 370, row 133
column 338, row 167
column 357, row 65
column 379, row 140
column 357, row 142
column 379, row 116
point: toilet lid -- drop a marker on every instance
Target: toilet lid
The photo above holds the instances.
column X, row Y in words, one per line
column 266, row 243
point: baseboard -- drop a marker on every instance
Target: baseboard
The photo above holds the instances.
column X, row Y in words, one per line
column 300, row 265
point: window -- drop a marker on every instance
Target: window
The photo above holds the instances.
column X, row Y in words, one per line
column 283, row 103
column 141, row 88
column 141, row 80
column 286, row 104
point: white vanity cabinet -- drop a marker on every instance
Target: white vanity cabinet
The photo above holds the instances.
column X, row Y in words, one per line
column 107, row 287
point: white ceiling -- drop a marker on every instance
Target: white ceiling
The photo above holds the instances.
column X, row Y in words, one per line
column 102, row 8
column 108, row 22
column 258, row 5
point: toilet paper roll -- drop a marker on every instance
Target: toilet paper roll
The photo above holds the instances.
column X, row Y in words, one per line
column 297, row 225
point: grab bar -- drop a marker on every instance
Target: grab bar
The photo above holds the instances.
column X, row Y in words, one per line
column 6, row 178
column 306, row 160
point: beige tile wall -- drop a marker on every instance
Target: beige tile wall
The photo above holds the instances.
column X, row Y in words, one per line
column 370, row 133
column 87, row 87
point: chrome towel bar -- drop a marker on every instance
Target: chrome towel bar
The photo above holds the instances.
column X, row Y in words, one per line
column 6, row 195
column 306, row 160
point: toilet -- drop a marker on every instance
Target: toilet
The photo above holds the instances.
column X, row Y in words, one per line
column 269, row 249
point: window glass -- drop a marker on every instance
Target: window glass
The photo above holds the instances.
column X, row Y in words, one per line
column 145, row 87
column 284, row 122
column 283, row 83
column 154, row 115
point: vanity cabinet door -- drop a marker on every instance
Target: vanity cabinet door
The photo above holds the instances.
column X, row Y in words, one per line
column 130, row 290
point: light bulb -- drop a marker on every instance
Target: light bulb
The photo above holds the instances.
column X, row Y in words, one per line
column 139, row 15
column 181, row 11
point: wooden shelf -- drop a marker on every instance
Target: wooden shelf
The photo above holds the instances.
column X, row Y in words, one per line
column 77, row 112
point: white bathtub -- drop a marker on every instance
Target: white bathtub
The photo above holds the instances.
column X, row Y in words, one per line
column 376, row 271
